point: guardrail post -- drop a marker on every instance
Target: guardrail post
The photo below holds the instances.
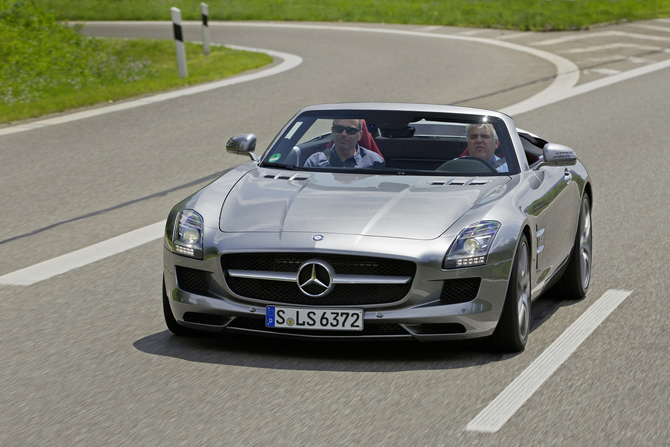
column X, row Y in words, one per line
column 179, row 42
column 205, row 28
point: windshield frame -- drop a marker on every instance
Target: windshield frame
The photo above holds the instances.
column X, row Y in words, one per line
column 378, row 122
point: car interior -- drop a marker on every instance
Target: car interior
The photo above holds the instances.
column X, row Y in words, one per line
column 417, row 146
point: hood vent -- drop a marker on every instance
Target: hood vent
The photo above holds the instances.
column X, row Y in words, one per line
column 283, row 175
column 461, row 182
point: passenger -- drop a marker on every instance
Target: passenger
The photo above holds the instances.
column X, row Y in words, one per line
column 346, row 152
column 482, row 143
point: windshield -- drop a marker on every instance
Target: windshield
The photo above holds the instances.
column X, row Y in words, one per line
column 395, row 142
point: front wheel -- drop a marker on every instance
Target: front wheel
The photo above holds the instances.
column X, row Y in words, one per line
column 513, row 328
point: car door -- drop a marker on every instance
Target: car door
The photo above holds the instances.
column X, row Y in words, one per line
column 534, row 200
column 562, row 195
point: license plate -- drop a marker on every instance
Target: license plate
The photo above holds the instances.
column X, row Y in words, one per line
column 315, row 319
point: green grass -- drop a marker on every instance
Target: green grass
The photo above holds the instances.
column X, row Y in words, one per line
column 142, row 66
column 48, row 67
column 536, row 15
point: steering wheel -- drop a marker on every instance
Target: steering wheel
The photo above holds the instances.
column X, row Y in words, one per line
column 468, row 164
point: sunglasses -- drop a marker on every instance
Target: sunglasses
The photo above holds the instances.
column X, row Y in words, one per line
column 350, row 130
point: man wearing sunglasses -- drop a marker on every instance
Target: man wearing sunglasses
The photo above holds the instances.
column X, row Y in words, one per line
column 346, row 152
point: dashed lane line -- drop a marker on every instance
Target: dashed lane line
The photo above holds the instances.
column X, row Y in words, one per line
column 503, row 407
column 79, row 258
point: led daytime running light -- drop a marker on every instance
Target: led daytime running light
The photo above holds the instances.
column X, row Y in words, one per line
column 187, row 238
column 472, row 245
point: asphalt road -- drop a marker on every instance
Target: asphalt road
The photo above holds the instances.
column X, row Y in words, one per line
column 86, row 359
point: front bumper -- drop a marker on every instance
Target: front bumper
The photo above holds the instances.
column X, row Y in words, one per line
column 421, row 315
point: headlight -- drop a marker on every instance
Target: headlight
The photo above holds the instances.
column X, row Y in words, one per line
column 187, row 237
column 472, row 245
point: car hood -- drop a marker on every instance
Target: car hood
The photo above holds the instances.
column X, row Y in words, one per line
column 412, row 207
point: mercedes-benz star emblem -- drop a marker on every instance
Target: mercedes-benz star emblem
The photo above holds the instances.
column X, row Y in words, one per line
column 315, row 278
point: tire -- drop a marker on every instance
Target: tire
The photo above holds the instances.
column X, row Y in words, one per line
column 575, row 281
column 171, row 321
column 513, row 328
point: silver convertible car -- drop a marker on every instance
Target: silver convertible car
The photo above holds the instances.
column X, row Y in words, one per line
column 382, row 221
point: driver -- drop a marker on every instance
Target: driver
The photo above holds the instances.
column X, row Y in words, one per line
column 482, row 143
column 346, row 152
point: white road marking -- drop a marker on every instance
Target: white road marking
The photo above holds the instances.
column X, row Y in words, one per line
column 602, row 71
column 473, row 32
column 651, row 27
column 429, row 29
column 503, row 407
column 639, row 60
column 615, row 58
column 511, row 36
column 290, row 61
column 79, row 258
column 583, row 36
column 613, row 46
column 539, row 100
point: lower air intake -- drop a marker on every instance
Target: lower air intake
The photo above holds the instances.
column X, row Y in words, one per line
column 460, row 290
column 192, row 280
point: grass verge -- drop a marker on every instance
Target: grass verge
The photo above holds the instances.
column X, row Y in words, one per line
column 47, row 66
column 145, row 66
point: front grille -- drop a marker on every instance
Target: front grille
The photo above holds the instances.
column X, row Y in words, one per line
column 343, row 264
column 342, row 294
column 192, row 280
column 369, row 329
column 460, row 290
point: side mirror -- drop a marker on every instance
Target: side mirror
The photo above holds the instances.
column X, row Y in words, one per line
column 558, row 154
column 244, row 143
